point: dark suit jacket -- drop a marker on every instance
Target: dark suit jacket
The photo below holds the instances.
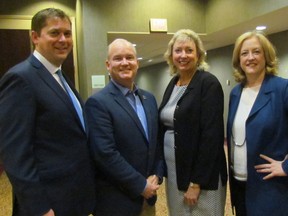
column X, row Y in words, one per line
column 199, row 132
column 266, row 133
column 123, row 155
column 42, row 144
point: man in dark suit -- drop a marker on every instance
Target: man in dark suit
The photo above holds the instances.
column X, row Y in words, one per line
column 123, row 122
column 43, row 143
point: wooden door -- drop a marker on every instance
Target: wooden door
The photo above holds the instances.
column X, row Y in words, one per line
column 14, row 48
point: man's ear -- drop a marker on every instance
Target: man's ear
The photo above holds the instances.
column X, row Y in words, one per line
column 107, row 65
column 34, row 37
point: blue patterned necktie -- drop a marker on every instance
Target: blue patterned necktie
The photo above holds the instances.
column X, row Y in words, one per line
column 72, row 97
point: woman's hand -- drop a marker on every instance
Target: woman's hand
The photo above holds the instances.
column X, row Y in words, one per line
column 274, row 168
column 192, row 194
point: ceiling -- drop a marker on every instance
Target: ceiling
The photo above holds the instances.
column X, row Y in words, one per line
column 151, row 46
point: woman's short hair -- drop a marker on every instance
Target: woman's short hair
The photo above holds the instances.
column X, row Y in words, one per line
column 186, row 35
column 269, row 54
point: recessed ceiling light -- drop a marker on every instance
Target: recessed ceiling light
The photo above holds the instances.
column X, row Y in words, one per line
column 150, row 60
column 139, row 58
column 260, row 28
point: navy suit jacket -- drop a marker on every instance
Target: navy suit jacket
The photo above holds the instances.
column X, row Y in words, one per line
column 42, row 144
column 123, row 155
column 266, row 133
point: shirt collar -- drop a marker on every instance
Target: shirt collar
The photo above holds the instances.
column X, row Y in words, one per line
column 50, row 67
column 125, row 90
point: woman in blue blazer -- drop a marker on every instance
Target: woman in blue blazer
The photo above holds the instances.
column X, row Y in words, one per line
column 257, row 130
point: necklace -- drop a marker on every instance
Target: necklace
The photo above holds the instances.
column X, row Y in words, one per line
column 179, row 83
column 184, row 82
column 236, row 143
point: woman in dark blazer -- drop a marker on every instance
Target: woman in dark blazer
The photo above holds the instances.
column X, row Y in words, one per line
column 257, row 130
column 192, row 131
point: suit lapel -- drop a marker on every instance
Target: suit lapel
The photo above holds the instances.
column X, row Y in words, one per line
column 122, row 101
column 50, row 81
column 262, row 99
column 234, row 101
column 171, row 85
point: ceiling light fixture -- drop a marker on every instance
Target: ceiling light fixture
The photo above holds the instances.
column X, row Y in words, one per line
column 261, row 28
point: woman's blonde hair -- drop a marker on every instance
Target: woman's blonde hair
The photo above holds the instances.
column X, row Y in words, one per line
column 186, row 35
column 269, row 54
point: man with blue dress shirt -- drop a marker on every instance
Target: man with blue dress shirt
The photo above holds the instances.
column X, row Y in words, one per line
column 123, row 124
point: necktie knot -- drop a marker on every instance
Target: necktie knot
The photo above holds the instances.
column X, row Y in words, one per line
column 60, row 75
column 59, row 72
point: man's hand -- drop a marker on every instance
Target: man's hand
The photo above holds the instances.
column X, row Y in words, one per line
column 153, row 179
column 151, row 187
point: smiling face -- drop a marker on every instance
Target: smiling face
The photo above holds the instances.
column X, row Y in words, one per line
column 252, row 58
column 55, row 40
column 185, row 56
column 122, row 62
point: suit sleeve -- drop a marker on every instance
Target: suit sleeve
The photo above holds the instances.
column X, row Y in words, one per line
column 105, row 152
column 17, row 115
column 212, row 130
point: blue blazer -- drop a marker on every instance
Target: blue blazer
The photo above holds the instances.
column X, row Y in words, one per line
column 43, row 145
column 123, row 155
column 266, row 133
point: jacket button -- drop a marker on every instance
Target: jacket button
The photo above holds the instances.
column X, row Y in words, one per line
column 175, row 147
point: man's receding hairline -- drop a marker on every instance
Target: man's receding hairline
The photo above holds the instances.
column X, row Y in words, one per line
column 119, row 41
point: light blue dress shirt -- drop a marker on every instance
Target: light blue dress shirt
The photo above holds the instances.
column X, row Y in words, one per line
column 134, row 100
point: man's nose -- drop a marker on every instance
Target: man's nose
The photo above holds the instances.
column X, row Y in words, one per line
column 124, row 61
column 62, row 37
